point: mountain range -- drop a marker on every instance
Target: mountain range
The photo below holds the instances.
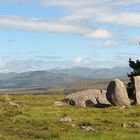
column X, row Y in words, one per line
column 58, row 76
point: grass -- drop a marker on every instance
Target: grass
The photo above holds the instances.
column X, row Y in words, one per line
column 38, row 119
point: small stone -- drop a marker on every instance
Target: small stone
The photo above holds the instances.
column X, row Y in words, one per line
column 73, row 125
column 62, row 129
column 59, row 103
column 14, row 104
column 88, row 128
column 124, row 125
column 66, row 119
column 109, row 128
column 83, row 127
column 136, row 125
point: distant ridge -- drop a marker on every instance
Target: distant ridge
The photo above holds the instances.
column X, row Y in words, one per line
column 44, row 79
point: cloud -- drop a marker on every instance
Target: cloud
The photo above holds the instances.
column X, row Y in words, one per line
column 83, row 17
column 79, row 61
column 107, row 12
column 103, row 43
column 88, row 3
column 2, row 66
column 18, row 23
column 73, row 2
column 124, row 18
column 106, row 17
column 109, row 44
column 22, row 65
column 99, row 34
column 133, row 42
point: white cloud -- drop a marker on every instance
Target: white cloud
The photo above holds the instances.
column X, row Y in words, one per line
column 87, row 3
column 103, row 43
column 3, row 66
column 99, row 34
column 89, row 12
column 107, row 11
column 12, row 22
column 41, row 26
column 133, row 42
column 21, row 65
column 109, row 44
column 73, row 2
column 78, row 61
column 124, row 18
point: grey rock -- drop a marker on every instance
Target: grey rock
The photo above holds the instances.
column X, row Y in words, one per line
column 66, row 119
column 73, row 125
column 124, row 125
column 137, row 89
column 136, row 125
column 88, row 128
column 14, row 104
column 117, row 94
column 87, row 98
column 59, row 103
column 62, row 129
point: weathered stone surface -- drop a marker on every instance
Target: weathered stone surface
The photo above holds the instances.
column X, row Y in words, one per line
column 117, row 94
column 88, row 98
column 88, row 128
column 66, row 119
column 59, row 103
column 136, row 125
column 137, row 89
column 124, row 125
column 14, row 104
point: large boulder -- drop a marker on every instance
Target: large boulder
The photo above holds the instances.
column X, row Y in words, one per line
column 137, row 89
column 88, row 98
column 117, row 94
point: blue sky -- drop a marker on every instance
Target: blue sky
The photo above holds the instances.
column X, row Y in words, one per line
column 45, row 34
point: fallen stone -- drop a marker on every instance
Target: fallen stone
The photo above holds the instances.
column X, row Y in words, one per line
column 87, row 98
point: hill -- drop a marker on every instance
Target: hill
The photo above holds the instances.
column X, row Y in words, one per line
column 38, row 79
column 44, row 79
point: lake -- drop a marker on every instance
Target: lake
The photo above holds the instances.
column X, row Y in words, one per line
column 4, row 89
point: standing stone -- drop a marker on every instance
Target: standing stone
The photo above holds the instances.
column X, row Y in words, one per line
column 117, row 94
column 137, row 89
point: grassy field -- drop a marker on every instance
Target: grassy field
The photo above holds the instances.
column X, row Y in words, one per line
column 38, row 119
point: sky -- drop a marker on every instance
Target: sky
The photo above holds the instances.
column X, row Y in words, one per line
column 47, row 34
